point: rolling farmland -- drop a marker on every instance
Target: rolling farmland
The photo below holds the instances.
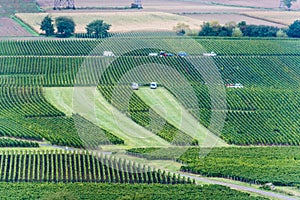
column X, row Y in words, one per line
column 260, row 101
column 264, row 112
column 225, row 112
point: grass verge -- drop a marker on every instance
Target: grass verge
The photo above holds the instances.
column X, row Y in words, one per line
column 97, row 110
column 25, row 26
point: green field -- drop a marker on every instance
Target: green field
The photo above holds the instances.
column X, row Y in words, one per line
column 72, row 127
column 166, row 106
column 116, row 191
column 104, row 115
column 270, row 95
column 259, row 165
column 69, row 95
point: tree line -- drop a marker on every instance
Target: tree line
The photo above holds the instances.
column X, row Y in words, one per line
column 65, row 27
column 213, row 28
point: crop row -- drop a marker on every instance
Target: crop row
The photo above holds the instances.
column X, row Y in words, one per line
column 275, row 106
column 268, row 71
column 73, row 131
column 13, row 191
column 251, row 46
column 261, row 128
column 250, row 98
column 278, row 165
column 47, row 47
column 58, row 166
column 7, row 142
column 145, row 116
column 13, row 128
column 196, row 46
column 25, row 113
column 270, row 93
column 25, row 102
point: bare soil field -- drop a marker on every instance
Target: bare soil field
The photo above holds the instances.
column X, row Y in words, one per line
column 252, row 3
column 176, row 5
column 9, row 27
column 170, row 6
column 120, row 21
column 162, row 15
column 224, row 18
column 282, row 17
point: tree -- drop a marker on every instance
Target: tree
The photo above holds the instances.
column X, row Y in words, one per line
column 236, row 32
column 181, row 28
column 65, row 26
column 229, row 26
column 288, row 3
column 98, row 28
column 281, row 33
column 206, row 29
column 212, row 28
column 47, row 26
column 216, row 27
column 294, row 29
column 257, row 30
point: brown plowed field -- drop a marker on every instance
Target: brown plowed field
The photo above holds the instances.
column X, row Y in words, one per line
column 9, row 27
column 174, row 5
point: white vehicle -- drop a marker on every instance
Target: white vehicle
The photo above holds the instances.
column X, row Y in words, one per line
column 153, row 54
column 108, row 53
column 153, row 85
column 210, row 54
column 237, row 85
column 135, row 86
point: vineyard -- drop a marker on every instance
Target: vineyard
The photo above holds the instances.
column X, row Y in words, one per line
column 268, row 68
column 118, row 191
column 143, row 115
column 26, row 114
column 265, row 112
column 72, row 126
column 270, row 100
column 259, row 165
column 278, row 165
column 73, row 166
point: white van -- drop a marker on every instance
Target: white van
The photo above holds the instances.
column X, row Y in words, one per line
column 153, row 85
column 210, row 54
column 153, row 54
column 108, row 53
column 135, row 86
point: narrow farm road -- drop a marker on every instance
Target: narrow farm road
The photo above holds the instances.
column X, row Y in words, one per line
column 240, row 187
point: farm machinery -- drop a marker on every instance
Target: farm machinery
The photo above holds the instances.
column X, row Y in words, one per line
column 137, row 4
